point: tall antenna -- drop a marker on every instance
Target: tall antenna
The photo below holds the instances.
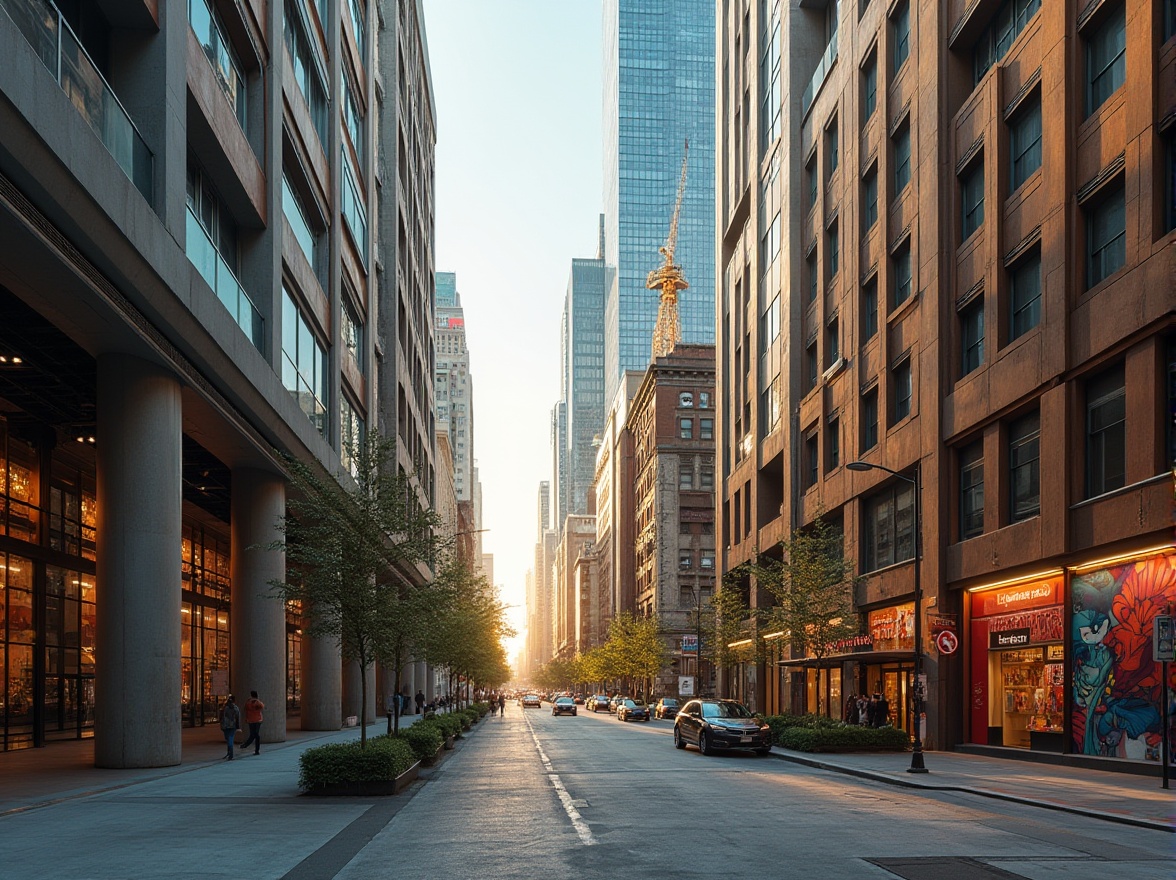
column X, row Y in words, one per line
column 668, row 278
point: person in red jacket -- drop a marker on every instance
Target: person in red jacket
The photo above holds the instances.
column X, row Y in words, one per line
column 253, row 717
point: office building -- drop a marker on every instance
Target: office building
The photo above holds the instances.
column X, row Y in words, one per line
column 454, row 386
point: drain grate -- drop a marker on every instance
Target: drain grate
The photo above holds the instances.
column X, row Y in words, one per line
column 938, row 867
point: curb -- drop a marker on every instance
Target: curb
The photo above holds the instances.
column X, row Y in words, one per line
column 886, row 778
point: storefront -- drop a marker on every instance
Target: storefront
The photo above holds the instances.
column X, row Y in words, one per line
column 1017, row 665
column 1062, row 662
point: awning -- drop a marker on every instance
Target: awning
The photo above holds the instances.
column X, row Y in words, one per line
column 870, row 657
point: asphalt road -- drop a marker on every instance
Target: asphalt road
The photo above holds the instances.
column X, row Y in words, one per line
column 532, row 796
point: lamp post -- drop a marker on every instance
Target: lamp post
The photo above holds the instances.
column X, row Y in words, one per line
column 917, row 765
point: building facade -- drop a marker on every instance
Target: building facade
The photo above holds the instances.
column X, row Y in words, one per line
column 923, row 228
column 190, row 277
column 659, row 91
column 577, row 539
column 454, row 384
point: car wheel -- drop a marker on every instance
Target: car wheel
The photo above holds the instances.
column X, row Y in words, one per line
column 679, row 743
column 704, row 744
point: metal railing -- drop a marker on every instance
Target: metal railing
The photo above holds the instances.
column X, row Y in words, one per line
column 47, row 31
column 211, row 36
column 212, row 266
column 822, row 71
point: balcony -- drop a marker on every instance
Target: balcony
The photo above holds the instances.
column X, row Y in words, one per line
column 50, row 35
column 212, row 266
column 211, row 36
column 819, row 75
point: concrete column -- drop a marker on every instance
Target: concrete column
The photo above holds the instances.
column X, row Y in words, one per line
column 258, row 618
column 322, row 685
column 137, row 643
column 352, row 696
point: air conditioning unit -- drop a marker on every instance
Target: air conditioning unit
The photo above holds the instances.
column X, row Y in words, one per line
column 834, row 368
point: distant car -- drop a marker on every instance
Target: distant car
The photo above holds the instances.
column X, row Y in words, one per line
column 632, row 710
column 563, row 706
column 579, row 698
column 665, row 708
column 613, row 703
column 598, row 703
column 532, row 701
column 720, row 724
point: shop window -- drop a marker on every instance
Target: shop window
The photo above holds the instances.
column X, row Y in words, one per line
column 1106, row 235
column 1106, row 59
column 1106, row 433
column 972, row 491
column 1024, row 485
column 972, row 336
column 889, row 527
column 1025, row 141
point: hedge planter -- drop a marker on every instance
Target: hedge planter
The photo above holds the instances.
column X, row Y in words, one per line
column 370, row 788
column 449, row 740
column 432, row 760
column 844, row 739
column 346, row 768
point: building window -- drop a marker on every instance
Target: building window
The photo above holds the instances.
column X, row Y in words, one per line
column 1106, row 433
column 686, row 429
column 704, row 399
column 351, row 333
column 972, row 336
column 972, row 491
column 1170, row 177
column 707, row 561
column 889, row 527
column 870, row 310
column 1106, row 59
column 810, row 171
column 900, row 34
column 902, row 158
column 870, row 419
column 304, row 363
column 811, row 456
column 902, row 274
column 813, row 365
column 358, row 25
column 870, row 200
column 772, row 104
column 1025, row 141
column 309, row 71
column 1000, row 34
column 814, row 282
column 354, row 209
column 832, row 343
column 972, row 197
column 1024, row 486
column 1025, row 296
column 354, row 121
column 901, row 384
column 685, row 477
column 834, row 251
column 685, row 560
column 706, row 429
column 831, row 146
column 1169, row 19
column 833, row 445
column 295, row 214
column 870, row 87
column 352, row 436
column 686, row 399
column 707, row 479
column 1106, row 236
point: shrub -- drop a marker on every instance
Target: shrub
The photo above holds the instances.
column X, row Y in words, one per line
column 448, row 723
column 470, row 717
column 846, row 738
column 481, row 708
column 425, row 739
column 385, row 758
column 780, row 723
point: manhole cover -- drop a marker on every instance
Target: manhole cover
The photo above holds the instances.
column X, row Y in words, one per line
column 939, row 867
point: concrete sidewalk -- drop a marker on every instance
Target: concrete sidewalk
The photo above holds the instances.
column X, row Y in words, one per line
column 1119, row 797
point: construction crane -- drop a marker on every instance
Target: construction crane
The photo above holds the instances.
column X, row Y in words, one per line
column 668, row 278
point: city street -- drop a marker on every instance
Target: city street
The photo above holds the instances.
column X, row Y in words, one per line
column 530, row 795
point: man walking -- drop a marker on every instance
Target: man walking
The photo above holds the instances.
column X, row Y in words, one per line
column 420, row 702
column 253, row 716
column 230, row 722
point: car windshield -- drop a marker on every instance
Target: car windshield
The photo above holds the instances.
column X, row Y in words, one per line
column 725, row 709
column 629, row 704
column 563, row 701
column 669, row 702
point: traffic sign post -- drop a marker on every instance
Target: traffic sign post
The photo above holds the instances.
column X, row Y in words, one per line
column 1163, row 652
column 947, row 642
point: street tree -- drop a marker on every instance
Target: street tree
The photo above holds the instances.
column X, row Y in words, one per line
column 353, row 550
column 813, row 585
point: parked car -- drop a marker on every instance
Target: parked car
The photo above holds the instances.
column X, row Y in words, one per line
column 613, row 703
column 720, row 724
column 532, row 701
column 563, row 706
column 598, row 702
column 666, row 707
column 632, row 710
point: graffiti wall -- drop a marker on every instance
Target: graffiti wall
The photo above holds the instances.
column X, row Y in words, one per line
column 1117, row 690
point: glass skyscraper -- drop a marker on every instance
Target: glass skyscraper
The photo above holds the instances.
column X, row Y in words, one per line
column 659, row 91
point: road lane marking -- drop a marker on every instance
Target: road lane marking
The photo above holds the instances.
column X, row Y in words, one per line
column 582, row 829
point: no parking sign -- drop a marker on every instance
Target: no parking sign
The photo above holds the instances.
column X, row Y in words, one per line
column 947, row 642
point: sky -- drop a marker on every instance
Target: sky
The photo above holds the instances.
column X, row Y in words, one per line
column 518, row 195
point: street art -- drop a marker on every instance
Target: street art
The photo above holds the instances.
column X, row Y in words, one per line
column 1116, row 685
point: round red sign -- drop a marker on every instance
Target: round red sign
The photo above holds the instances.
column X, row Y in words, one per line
column 947, row 642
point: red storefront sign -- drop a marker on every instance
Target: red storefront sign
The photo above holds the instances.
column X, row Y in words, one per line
column 1020, row 598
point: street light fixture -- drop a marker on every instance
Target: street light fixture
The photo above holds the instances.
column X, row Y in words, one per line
column 917, row 765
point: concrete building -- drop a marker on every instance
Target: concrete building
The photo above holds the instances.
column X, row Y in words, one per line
column 193, row 248
column 454, row 384
column 539, row 595
column 672, row 422
column 945, row 248
column 579, row 534
column 658, row 83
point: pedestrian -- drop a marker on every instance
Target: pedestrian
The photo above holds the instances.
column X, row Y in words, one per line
column 420, row 701
column 850, row 714
column 882, row 712
column 502, row 705
column 863, row 706
column 253, row 716
column 230, row 722
column 872, row 711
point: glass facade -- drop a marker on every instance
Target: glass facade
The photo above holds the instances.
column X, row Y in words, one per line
column 583, row 389
column 204, row 639
column 659, row 91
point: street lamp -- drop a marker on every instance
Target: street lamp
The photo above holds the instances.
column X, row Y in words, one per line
column 917, row 765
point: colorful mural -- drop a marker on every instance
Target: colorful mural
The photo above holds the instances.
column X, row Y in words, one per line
column 1116, row 684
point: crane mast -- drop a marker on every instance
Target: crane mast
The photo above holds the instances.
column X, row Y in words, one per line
column 668, row 279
